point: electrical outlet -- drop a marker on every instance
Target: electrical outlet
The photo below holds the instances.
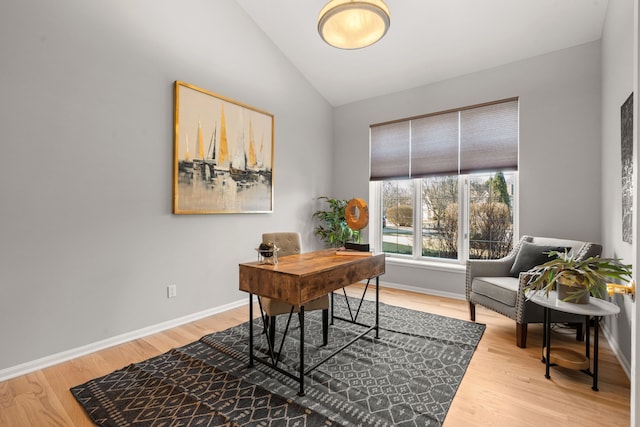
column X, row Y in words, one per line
column 171, row 291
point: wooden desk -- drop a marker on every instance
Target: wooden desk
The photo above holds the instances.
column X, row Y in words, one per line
column 299, row 279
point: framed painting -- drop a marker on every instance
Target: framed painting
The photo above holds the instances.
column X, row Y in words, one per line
column 626, row 132
column 223, row 155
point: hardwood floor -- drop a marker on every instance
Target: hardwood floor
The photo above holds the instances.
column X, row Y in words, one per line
column 504, row 385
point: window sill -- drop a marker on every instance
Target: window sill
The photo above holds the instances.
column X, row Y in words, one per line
column 427, row 265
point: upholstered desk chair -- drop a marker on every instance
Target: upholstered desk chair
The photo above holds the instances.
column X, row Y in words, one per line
column 499, row 284
column 289, row 244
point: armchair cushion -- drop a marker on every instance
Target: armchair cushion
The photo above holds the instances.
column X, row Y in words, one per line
column 531, row 255
column 502, row 289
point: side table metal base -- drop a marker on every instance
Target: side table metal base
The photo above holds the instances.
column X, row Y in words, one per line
column 568, row 358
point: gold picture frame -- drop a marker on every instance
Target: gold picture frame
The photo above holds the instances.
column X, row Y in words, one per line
column 223, row 154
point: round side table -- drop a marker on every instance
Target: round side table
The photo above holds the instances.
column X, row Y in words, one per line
column 596, row 309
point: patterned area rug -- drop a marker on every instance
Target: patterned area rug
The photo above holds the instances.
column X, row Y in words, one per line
column 407, row 377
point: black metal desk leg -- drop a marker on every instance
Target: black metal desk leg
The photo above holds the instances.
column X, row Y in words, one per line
column 547, row 333
column 596, row 323
column 331, row 308
column 250, row 330
column 301, row 316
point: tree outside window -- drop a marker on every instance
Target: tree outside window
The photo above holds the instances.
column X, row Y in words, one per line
column 440, row 217
column 490, row 217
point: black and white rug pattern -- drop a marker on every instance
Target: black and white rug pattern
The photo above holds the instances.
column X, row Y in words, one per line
column 407, row 377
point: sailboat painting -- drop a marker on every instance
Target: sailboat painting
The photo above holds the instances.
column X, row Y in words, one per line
column 223, row 154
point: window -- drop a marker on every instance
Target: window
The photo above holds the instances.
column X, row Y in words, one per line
column 490, row 219
column 439, row 205
column 445, row 184
column 481, row 203
column 397, row 219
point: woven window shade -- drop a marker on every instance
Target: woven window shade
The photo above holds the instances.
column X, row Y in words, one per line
column 463, row 141
column 434, row 145
column 390, row 151
column 489, row 138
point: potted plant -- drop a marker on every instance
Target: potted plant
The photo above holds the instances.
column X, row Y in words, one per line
column 576, row 280
column 333, row 229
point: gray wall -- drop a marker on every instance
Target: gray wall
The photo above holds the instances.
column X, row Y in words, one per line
column 617, row 85
column 559, row 161
column 88, row 241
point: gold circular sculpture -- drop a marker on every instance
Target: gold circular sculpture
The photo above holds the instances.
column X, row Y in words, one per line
column 357, row 214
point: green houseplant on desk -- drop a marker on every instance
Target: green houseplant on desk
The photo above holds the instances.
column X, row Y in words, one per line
column 575, row 281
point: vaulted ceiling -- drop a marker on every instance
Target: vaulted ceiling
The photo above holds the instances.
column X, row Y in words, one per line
column 428, row 41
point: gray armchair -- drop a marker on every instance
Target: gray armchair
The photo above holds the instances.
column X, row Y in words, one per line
column 499, row 285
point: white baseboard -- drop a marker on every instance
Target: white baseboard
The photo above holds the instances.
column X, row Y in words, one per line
column 54, row 359
column 613, row 343
column 425, row 291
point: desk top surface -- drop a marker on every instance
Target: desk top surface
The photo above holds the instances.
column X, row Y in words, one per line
column 596, row 306
column 299, row 279
column 315, row 262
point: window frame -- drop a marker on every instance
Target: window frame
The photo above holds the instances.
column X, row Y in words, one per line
column 376, row 232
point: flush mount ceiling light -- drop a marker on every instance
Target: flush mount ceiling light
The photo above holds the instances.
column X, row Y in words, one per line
column 350, row 24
